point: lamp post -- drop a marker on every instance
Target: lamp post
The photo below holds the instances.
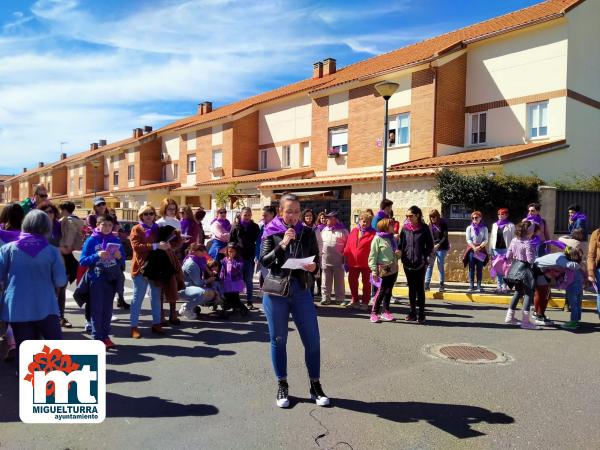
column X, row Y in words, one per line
column 386, row 89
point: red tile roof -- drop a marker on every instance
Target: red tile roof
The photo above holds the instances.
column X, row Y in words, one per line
column 482, row 156
column 414, row 54
column 262, row 176
column 146, row 187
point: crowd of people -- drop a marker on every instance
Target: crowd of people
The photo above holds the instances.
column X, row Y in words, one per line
column 301, row 256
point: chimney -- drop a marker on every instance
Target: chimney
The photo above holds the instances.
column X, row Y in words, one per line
column 137, row 132
column 200, row 109
column 318, row 70
column 93, row 146
column 41, row 164
column 24, row 169
column 101, row 142
column 147, row 129
column 207, row 107
column 63, row 156
column 328, row 66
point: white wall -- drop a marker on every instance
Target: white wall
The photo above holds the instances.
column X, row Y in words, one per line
column 402, row 97
column 191, row 140
column 285, row 121
column 170, row 145
column 217, row 135
column 398, row 155
column 338, row 106
column 518, row 64
column 583, row 23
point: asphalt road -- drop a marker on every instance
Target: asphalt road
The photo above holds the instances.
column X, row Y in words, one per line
column 209, row 385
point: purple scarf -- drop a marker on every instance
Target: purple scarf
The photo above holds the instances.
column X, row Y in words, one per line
column 200, row 262
column 436, row 228
column 278, row 226
column 502, row 223
column 389, row 237
column 476, row 227
column 148, row 230
column 31, row 244
column 410, row 227
column 9, row 235
column 381, row 214
column 96, row 234
column 578, row 216
column 320, row 227
column 365, row 230
column 245, row 223
column 185, row 225
column 535, row 219
column 225, row 224
column 338, row 226
column 56, row 230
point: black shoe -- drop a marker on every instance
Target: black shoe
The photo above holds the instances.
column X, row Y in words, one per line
column 282, row 394
column 317, row 394
column 121, row 303
column 243, row 311
column 250, row 306
column 197, row 312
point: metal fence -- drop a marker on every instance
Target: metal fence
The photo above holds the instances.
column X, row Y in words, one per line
column 590, row 205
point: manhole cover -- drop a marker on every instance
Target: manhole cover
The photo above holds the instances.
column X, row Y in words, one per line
column 467, row 353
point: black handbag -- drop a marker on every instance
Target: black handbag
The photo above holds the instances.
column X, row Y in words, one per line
column 276, row 285
column 81, row 295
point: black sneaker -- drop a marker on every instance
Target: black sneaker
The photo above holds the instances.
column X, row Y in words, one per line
column 547, row 321
column 121, row 303
column 282, row 394
column 317, row 394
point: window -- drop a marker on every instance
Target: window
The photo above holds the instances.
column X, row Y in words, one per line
column 338, row 140
column 478, row 127
column 305, row 157
column 263, row 159
column 80, row 183
column 191, row 164
column 537, row 119
column 116, row 178
column 286, row 156
column 175, row 171
column 130, row 172
column 399, row 130
column 217, row 159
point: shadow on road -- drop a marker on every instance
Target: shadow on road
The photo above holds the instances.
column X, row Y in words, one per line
column 122, row 406
column 127, row 354
column 453, row 419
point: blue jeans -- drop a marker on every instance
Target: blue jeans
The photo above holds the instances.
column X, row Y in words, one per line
column 248, row 273
column 440, row 256
column 277, row 310
column 194, row 296
column 474, row 264
column 574, row 296
column 102, row 294
column 496, row 252
column 140, row 286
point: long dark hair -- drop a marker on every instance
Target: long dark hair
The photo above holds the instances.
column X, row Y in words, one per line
column 414, row 209
column 12, row 216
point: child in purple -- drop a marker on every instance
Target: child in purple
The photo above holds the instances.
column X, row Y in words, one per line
column 232, row 278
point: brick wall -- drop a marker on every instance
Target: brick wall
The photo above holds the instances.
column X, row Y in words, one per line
column 203, row 154
column 147, row 162
column 123, row 163
column 422, row 111
column 88, row 178
column 245, row 142
column 59, row 181
column 450, row 102
column 319, row 138
column 366, row 115
column 227, row 148
column 183, row 159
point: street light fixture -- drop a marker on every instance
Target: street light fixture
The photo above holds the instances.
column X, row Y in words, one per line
column 386, row 89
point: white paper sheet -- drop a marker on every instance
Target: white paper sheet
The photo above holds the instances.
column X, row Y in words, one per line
column 297, row 263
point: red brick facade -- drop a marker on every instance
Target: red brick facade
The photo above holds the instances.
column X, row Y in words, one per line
column 422, row 112
column 450, row 102
column 365, row 125
column 245, row 142
column 319, row 138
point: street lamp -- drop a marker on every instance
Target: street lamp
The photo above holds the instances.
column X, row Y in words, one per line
column 386, row 89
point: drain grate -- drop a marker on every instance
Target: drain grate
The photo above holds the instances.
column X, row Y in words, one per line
column 467, row 353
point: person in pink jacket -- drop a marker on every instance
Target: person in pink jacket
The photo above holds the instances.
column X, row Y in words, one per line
column 356, row 254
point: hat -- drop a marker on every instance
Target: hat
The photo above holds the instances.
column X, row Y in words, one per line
column 99, row 200
column 332, row 214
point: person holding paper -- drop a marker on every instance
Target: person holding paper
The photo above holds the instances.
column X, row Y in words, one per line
column 476, row 255
column 103, row 253
column 288, row 291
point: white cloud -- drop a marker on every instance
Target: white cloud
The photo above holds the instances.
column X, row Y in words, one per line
column 117, row 70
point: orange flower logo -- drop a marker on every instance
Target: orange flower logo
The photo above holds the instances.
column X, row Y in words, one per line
column 49, row 360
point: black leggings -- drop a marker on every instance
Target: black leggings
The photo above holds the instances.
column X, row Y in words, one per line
column 416, row 290
column 384, row 293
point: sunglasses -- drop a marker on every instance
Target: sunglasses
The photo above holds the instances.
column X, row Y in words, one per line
column 101, row 204
column 475, row 217
column 150, row 213
column 408, row 216
column 532, row 210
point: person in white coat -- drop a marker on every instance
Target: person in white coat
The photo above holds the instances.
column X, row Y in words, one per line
column 334, row 237
column 502, row 234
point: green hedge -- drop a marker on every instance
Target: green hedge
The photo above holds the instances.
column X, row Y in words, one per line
column 488, row 193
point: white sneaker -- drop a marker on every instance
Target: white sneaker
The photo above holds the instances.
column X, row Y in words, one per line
column 282, row 395
column 317, row 394
column 114, row 318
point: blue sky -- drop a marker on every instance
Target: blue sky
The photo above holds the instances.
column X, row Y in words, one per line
column 77, row 71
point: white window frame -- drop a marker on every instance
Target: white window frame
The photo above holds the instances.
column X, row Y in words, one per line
column 475, row 134
column 116, row 178
column 131, row 172
column 394, row 125
column 191, row 164
column 305, row 156
column 286, row 156
column 214, row 161
column 336, row 138
column 263, row 159
column 536, row 113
